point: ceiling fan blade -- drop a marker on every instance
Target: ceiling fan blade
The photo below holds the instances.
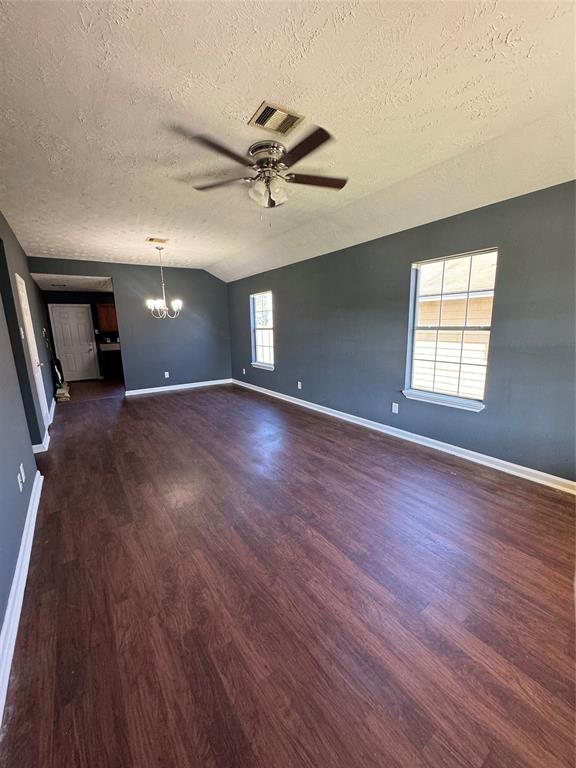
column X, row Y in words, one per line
column 212, row 144
column 316, row 181
column 215, row 184
column 306, row 146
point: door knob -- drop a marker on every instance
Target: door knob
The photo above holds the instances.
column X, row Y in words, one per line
column 39, row 364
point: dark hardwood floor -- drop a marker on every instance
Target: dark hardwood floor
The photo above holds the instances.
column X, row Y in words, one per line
column 94, row 389
column 221, row 580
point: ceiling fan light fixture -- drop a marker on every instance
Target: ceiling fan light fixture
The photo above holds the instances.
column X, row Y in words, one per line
column 268, row 193
column 269, row 160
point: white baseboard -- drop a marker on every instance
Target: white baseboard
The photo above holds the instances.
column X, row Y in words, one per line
column 174, row 387
column 43, row 446
column 560, row 483
column 14, row 606
column 51, row 412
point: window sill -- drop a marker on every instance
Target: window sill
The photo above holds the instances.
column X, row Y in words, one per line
column 475, row 406
column 263, row 366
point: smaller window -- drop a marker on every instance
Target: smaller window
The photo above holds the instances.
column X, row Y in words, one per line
column 262, row 325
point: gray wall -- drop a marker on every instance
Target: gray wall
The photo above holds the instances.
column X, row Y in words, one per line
column 13, row 260
column 15, row 447
column 342, row 319
column 194, row 347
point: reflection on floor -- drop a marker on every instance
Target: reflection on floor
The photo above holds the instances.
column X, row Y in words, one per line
column 96, row 389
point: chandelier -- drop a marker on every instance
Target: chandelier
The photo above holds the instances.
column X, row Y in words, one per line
column 158, row 307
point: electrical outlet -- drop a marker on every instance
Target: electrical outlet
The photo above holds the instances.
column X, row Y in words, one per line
column 299, row 385
column 20, row 483
column 244, row 371
column 394, row 407
column 166, row 374
column 22, row 473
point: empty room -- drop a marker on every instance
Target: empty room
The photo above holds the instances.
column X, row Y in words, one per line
column 287, row 384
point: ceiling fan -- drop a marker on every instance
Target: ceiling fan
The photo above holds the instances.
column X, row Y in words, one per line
column 270, row 161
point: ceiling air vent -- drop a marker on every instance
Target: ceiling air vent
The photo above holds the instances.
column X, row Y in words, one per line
column 160, row 240
column 275, row 119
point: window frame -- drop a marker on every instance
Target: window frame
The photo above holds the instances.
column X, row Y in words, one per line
column 429, row 396
column 255, row 363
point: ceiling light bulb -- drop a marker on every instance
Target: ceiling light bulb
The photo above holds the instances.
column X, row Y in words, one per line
column 278, row 191
column 258, row 192
column 176, row 305
column 268, row 193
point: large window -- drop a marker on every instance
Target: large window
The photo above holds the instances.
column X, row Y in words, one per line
column 262, row 322
column 450, row 329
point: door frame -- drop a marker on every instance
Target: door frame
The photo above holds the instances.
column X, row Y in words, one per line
column 29, row 336
column 50, row 307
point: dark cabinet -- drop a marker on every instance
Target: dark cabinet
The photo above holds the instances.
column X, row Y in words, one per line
column 107, row 317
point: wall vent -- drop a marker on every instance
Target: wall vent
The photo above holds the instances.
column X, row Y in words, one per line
column 160, row 240
column 275, row 119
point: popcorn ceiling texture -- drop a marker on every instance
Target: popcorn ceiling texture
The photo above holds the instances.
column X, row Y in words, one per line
column 437, row 107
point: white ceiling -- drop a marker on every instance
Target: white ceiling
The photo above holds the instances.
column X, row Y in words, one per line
column 72, row 283
column 437, row 107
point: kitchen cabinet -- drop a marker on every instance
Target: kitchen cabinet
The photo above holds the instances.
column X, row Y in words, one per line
column 107, row 317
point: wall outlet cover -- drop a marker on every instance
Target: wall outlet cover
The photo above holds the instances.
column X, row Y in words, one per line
column 22, row 473
column 244, row 371
column 299, row 385
column 166, row 374
column 394, row 407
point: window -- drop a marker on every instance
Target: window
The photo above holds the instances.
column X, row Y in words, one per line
column 262, row 322
column 450, row 329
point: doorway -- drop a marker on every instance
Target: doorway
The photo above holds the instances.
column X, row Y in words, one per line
column 84, row 334
column 74, row 340
column 30, row 338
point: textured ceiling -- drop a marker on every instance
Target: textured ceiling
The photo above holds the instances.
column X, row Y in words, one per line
column 437, row 107
column 73, row 283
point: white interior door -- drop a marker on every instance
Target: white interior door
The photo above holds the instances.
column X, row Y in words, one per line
column 28, row 334
column 74, row 338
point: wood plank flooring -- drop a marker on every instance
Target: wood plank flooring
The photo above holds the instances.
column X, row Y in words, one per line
column 221, row 580
column 94, row 389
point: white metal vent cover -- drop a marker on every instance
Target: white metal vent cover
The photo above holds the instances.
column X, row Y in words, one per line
column 275, row 119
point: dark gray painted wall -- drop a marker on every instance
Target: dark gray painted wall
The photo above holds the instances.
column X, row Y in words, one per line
column 342, row 319
column 13, row 260
column 194, row 347
column 15, row 447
